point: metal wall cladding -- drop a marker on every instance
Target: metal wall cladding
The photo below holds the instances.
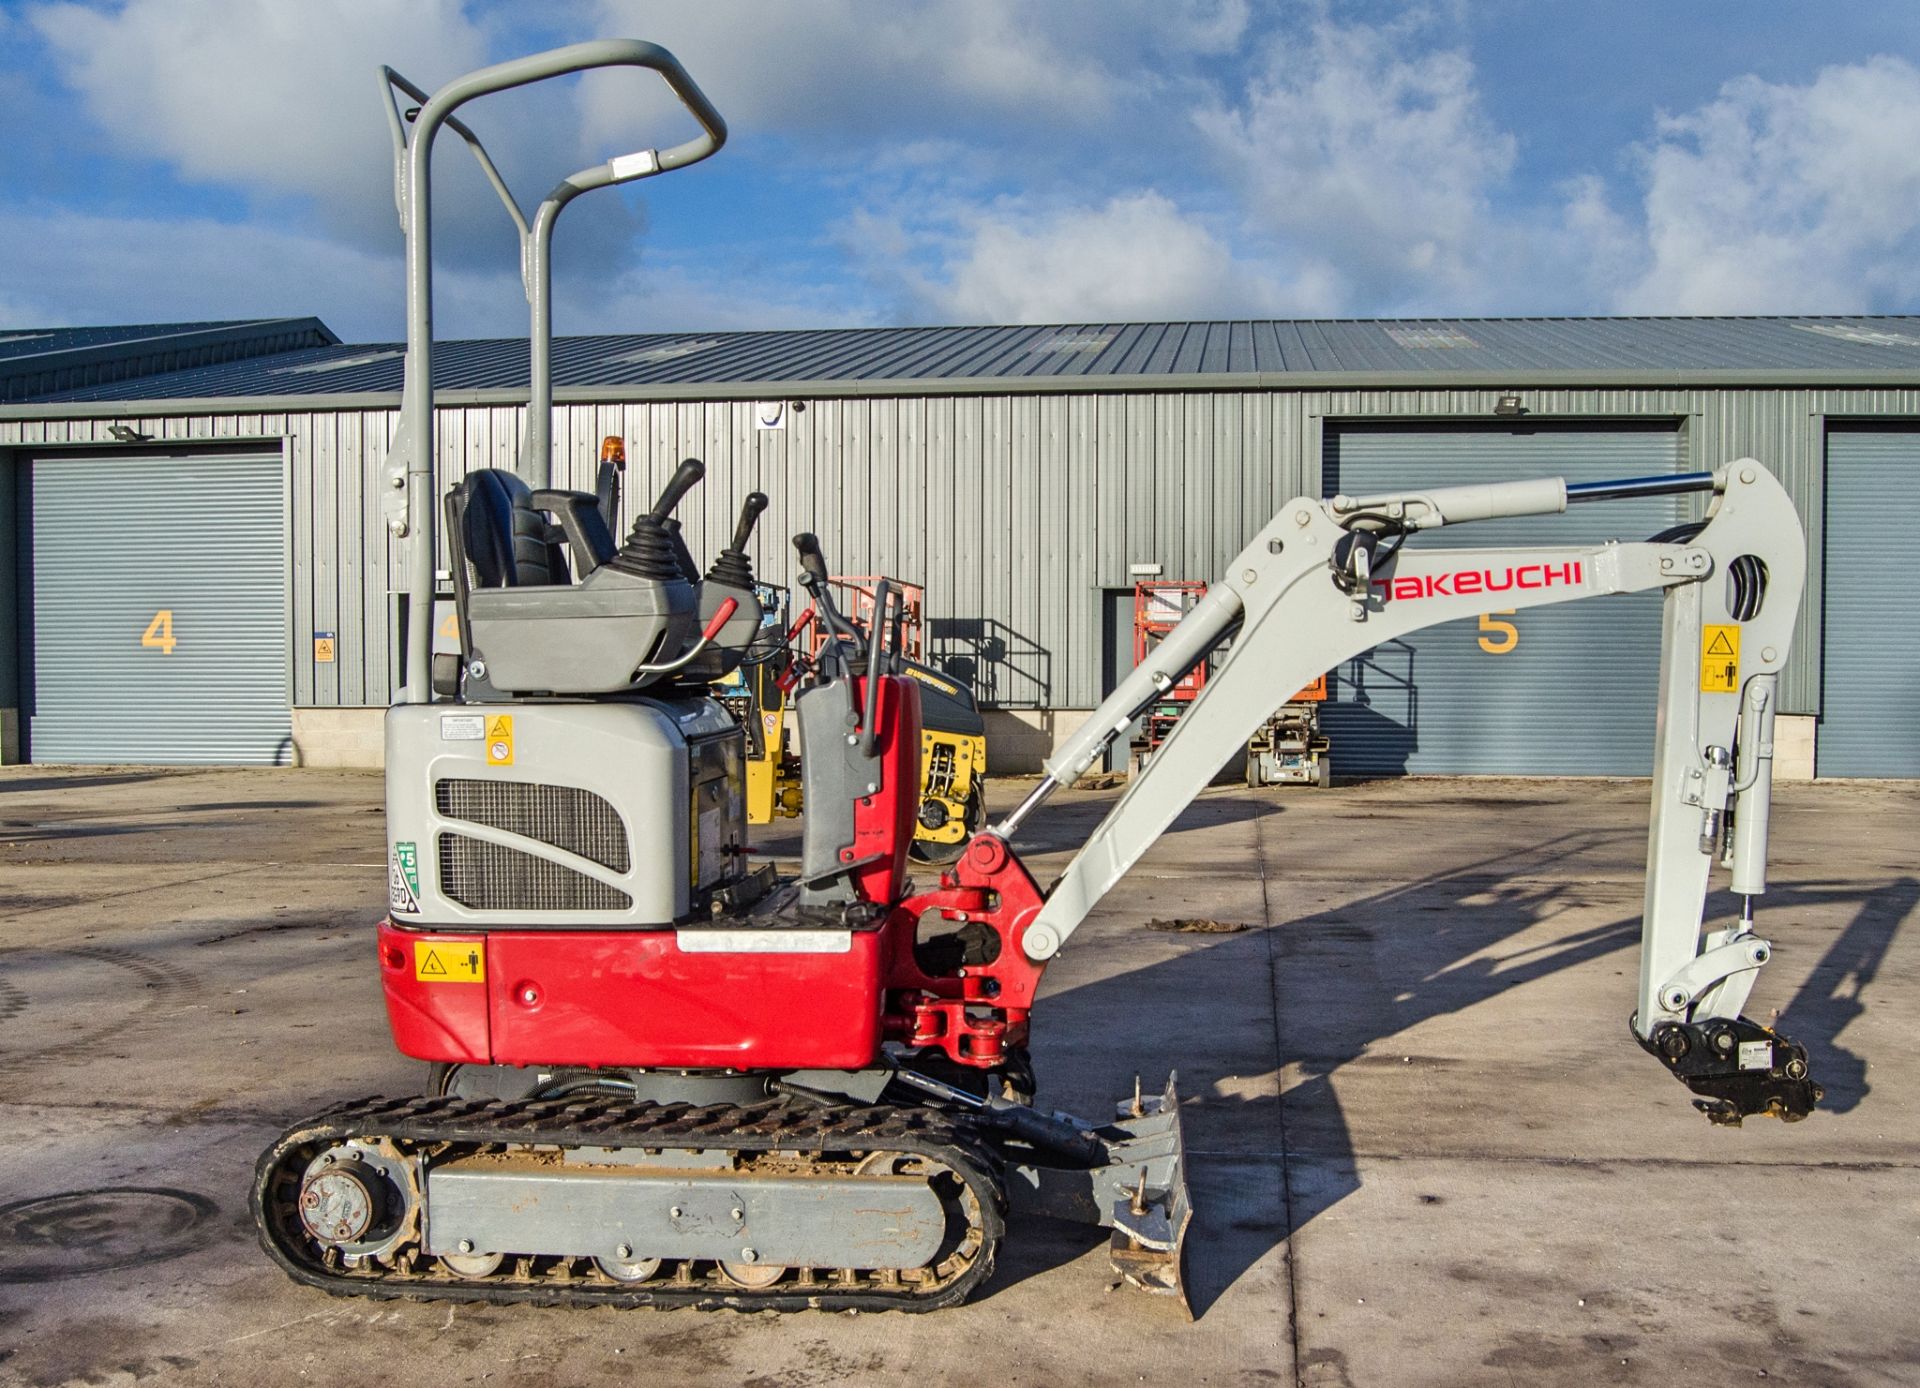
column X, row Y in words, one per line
column 1014, row 510
column 159, row 624
column 1566, row 690
column 1870, row 702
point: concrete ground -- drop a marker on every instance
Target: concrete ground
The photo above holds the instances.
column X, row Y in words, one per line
column 1424, row 1149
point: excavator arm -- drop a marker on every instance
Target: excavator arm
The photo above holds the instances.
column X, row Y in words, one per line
column 1325, row 580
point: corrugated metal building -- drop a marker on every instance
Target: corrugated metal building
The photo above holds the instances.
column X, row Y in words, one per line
column 1020, row 473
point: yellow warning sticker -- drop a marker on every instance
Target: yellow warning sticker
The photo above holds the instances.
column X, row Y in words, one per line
column 1720, row 660
column 437, row 961
column 500, row 739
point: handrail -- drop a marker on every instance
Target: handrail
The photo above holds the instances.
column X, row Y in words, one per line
column 410, row 467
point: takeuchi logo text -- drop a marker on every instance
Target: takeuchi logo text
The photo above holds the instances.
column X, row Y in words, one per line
column 1468, row 582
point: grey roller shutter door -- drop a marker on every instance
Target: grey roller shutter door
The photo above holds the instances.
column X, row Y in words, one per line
column 117, row 541
column 1870, row 666
column 1575, row 693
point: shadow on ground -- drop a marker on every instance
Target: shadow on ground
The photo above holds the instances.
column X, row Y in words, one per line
column 1425, row 949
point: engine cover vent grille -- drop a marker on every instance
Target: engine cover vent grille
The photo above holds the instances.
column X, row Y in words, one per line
column 564, row 816
column 485, row 876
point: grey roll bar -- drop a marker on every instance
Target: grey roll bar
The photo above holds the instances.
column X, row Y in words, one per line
column 408, row 502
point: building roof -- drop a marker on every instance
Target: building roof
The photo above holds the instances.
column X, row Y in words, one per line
column 1332, row 353
column 45, row 363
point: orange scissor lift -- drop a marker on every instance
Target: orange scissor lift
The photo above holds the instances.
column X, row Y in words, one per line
column 1289, row 747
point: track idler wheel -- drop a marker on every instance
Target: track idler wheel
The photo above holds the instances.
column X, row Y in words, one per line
column 472, row 1266
column 628, row 1269
column 752, row 1277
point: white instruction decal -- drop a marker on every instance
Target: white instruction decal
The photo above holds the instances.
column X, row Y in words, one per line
column 1756, row 1055
column 462, row 727
column 765, row 941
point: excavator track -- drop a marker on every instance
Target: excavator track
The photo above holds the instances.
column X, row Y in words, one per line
column 778, row 1139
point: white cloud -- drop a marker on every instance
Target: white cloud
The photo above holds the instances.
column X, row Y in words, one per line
column 1370, row 160
column 1135, row 256
column 974, row 160
column 281, row 104
column 267, row 99
column 1785, row 199
column 878, row 72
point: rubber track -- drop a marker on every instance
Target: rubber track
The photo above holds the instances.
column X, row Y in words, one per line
column 784, row 1124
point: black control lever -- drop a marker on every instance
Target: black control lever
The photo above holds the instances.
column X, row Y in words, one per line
column 813, row 564
column 684, row 479
column 606, row 492
column 749, row 517
column 843, row 636
column 733, row 567
column 682, row 482
column 897, row 664
column 654, row 549
column 814, row 578
column 606, row 479
column 876, row 646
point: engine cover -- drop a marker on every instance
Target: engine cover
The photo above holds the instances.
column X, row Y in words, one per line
column 543, row 815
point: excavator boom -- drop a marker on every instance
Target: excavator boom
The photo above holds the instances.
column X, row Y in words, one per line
column 1325, row 580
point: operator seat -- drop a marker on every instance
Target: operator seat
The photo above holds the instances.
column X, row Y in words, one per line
column 498, row 538
column 502, row 535
column 525, row 625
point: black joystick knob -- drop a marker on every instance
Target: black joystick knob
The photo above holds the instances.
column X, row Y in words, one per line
column 684, row 478
column 650, row 551
column 813, row 564
column 733, row 567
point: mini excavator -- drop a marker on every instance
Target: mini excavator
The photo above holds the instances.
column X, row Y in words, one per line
column 663, row 1076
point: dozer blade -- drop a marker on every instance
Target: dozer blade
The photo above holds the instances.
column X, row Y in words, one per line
column 1129, row 1175
column 1150, row 1210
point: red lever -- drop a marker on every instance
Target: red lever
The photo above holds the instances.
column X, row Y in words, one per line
column 788, row 678
column 727, row 609
column 800, row 624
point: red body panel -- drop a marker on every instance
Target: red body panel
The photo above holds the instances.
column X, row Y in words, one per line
column 883, row 822
column 429, row 1020
column 634, row 998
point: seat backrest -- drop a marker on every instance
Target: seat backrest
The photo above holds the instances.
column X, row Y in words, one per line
column 498, row 536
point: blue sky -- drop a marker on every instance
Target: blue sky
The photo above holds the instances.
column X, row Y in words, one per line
column 969, row 161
